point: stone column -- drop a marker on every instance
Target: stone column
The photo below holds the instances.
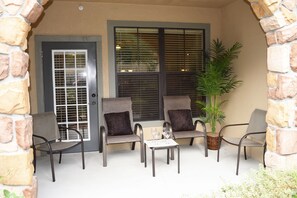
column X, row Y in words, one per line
column 16, row 169
column 278, row 20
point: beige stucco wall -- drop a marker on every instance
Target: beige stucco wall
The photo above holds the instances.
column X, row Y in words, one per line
column 239, row 24
column 64, row 18
column 235, row 22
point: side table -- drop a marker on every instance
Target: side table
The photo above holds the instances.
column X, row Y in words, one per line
column 158, row 145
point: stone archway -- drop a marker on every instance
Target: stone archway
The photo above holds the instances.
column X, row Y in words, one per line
column 16, row 169
column 278, row 20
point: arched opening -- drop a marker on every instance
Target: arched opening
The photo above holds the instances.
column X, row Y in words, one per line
column 278, row 19
column 16, row 155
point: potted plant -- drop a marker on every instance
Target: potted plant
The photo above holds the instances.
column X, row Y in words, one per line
column 217, row 80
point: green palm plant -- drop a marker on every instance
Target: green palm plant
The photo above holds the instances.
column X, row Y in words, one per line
column 218, row 79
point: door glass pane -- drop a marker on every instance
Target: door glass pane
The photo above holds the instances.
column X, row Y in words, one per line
column 59, row 60
column 61, row 113
column 71, row 113
column 70, row 59
column 71, row 134
column 59, row 78
column 80, row 60
column 81, row 77
column 60, row 96
column 71, row 92
column 82, row 113
column 83, row 128
column 71, row 96
column 81, row 92
column 63, row 131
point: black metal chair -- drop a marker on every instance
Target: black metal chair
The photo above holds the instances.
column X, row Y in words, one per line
column 47, row 138
column 117, row 126
column 178, row 119
column 255, row 135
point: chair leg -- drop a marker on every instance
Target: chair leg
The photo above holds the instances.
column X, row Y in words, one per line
column 172, row 153
column 205, row 146
column 100, row 142
column 50, row 152
column 52, row 165
column 244, row 149
column 83, row 154
column 60, row 157
column 133, row 146
column 264, row 151
column 218, row 153
column 104, row 155
column 141, row 152
column 192, row 140
column 238, row 158
column 34, row 158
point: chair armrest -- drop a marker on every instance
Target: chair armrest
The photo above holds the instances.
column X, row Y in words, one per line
column 79, row 134
column 167, row 125
column 40, row 137
column 45, row 141
column 202, row 124
column 102, row 131
column 231, row 125
column 102, row 139
column 138, row 127
column 252, row 133
column 76, row 131
column 255, row 133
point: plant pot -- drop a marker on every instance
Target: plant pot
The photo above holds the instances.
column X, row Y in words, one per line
column 212, row 141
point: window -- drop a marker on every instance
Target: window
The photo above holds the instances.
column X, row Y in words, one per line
column 152, row 62
column 70, row 92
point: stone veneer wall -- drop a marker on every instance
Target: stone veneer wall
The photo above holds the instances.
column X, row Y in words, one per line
column 16, row 169
column 278, row 19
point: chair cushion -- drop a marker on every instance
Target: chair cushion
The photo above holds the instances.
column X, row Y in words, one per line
column 245, row 142
column 122, row 139
column 181, row 120
column 118, row 123
column 57, row 146
column 187, row 134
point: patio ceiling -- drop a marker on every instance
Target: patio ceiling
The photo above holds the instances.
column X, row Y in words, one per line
column 191, row 3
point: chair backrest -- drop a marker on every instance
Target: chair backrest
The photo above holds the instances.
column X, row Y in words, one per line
column 258, row 123
column 175, row 103
column 117, row 105
column 45, row 125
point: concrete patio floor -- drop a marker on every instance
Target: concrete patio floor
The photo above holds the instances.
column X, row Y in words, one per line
column 125, row 176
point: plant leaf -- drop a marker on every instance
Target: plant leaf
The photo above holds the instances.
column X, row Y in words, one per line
column 217, row 79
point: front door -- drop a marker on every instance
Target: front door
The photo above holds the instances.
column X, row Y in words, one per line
column 70, row 88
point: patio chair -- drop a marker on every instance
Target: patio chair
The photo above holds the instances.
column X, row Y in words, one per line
column 254, row 136
column 47, row 138
column 178, row 120
column 117, row 126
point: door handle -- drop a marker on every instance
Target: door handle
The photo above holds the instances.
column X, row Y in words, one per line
column 93, row 95
column 93, row 103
